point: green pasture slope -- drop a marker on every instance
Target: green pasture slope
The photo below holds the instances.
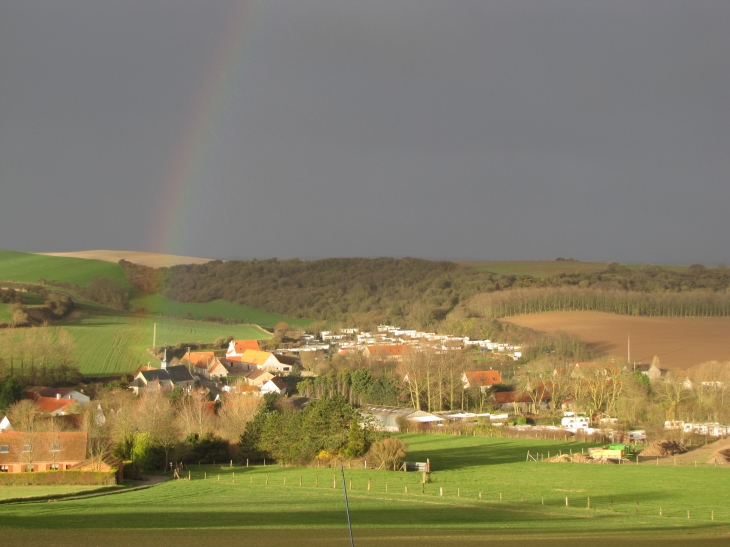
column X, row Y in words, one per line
column 108, row 343
column 267, row 506
column 29, row 268
column 159, row 305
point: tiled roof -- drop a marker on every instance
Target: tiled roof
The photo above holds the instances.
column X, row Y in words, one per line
column 483, row 378
column 71, row 446
column 255, row 357
column 50, row 405
column 242, row 345
column 389, row 351
column 201, row 359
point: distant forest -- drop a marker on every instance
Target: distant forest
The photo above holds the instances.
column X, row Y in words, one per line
column 367, row 291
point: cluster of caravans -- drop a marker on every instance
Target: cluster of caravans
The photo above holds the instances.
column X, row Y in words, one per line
column 712, row 429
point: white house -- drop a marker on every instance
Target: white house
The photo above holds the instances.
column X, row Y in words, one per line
column 275, row 385
column 5, row 424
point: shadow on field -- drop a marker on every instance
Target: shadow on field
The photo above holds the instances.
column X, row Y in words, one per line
column 337, row 537
column 495, row 453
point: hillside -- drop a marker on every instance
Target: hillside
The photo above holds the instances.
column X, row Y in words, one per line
column 419, row 292
column 31, row 268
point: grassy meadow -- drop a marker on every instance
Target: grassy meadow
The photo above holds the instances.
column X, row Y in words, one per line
column 267, row 505
column 159, row 305
column 109, row 343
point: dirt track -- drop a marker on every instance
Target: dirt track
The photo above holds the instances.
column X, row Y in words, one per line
column 680, row 342
column 154, row 260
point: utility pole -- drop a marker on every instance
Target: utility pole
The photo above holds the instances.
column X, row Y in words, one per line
column 347, row 506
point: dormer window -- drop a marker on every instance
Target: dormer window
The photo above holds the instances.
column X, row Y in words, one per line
column 55, row 447
column 26, row 448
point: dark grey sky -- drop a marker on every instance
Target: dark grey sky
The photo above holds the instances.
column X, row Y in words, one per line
column 453, row 129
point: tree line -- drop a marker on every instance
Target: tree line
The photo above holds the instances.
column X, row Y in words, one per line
column 34, row 357
column 539, row 300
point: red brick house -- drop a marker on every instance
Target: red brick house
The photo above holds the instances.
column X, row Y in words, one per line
column 47, row 451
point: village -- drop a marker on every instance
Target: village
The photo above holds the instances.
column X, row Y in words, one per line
column 54, row 429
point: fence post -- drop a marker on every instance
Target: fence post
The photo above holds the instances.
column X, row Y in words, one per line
column 406, row 487
column 206, row 475
column 334, row 481
column 350, row 484
column 712, row 515
column 480, row 494
column 246, row 462
column 368, row 485
column 566, row 501
column 188, row 474
column 542, row 500
column 687, row 513
column 500, row 496
column 660, row 510
column 231, row 464
column 267, row 478
column 589, row 503
column 300, row 480
column 441, row 491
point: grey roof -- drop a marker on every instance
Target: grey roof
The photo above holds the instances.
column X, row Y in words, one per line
column 179, row 373
column 176, row 374
column 157, row 374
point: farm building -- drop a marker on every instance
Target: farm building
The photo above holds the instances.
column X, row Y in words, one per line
column 236, row 348
column 483, row 379
column 46, row 451
column 389, row 418
column 56, row 393
column 266, row 360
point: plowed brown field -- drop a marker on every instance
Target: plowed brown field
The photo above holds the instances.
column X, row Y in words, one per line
column 680, row 342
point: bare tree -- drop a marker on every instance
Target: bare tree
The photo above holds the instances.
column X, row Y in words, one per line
column 235, row 412
column 156, row 416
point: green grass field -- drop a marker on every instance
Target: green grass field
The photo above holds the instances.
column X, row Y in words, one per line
column 267, row 505
column 157, row 304
column 547, row 268
column 29, row 268
column 19, row 492
column 109, row 343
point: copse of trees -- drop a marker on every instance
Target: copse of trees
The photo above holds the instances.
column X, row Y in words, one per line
column 419, row 292
column 327, row 428
column 101, row 290
column 668, row 304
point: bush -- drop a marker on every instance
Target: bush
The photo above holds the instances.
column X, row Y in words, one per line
column 388, row 453
column 45, row 478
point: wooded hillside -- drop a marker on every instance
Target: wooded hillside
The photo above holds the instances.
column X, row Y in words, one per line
column 387, row 289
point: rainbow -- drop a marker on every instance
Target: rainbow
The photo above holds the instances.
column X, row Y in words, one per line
column 185, row 179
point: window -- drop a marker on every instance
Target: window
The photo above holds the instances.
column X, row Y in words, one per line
column 26, row 448
column 4, row 469
column 4, row 449
column 55, row 447
column 54, row 467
